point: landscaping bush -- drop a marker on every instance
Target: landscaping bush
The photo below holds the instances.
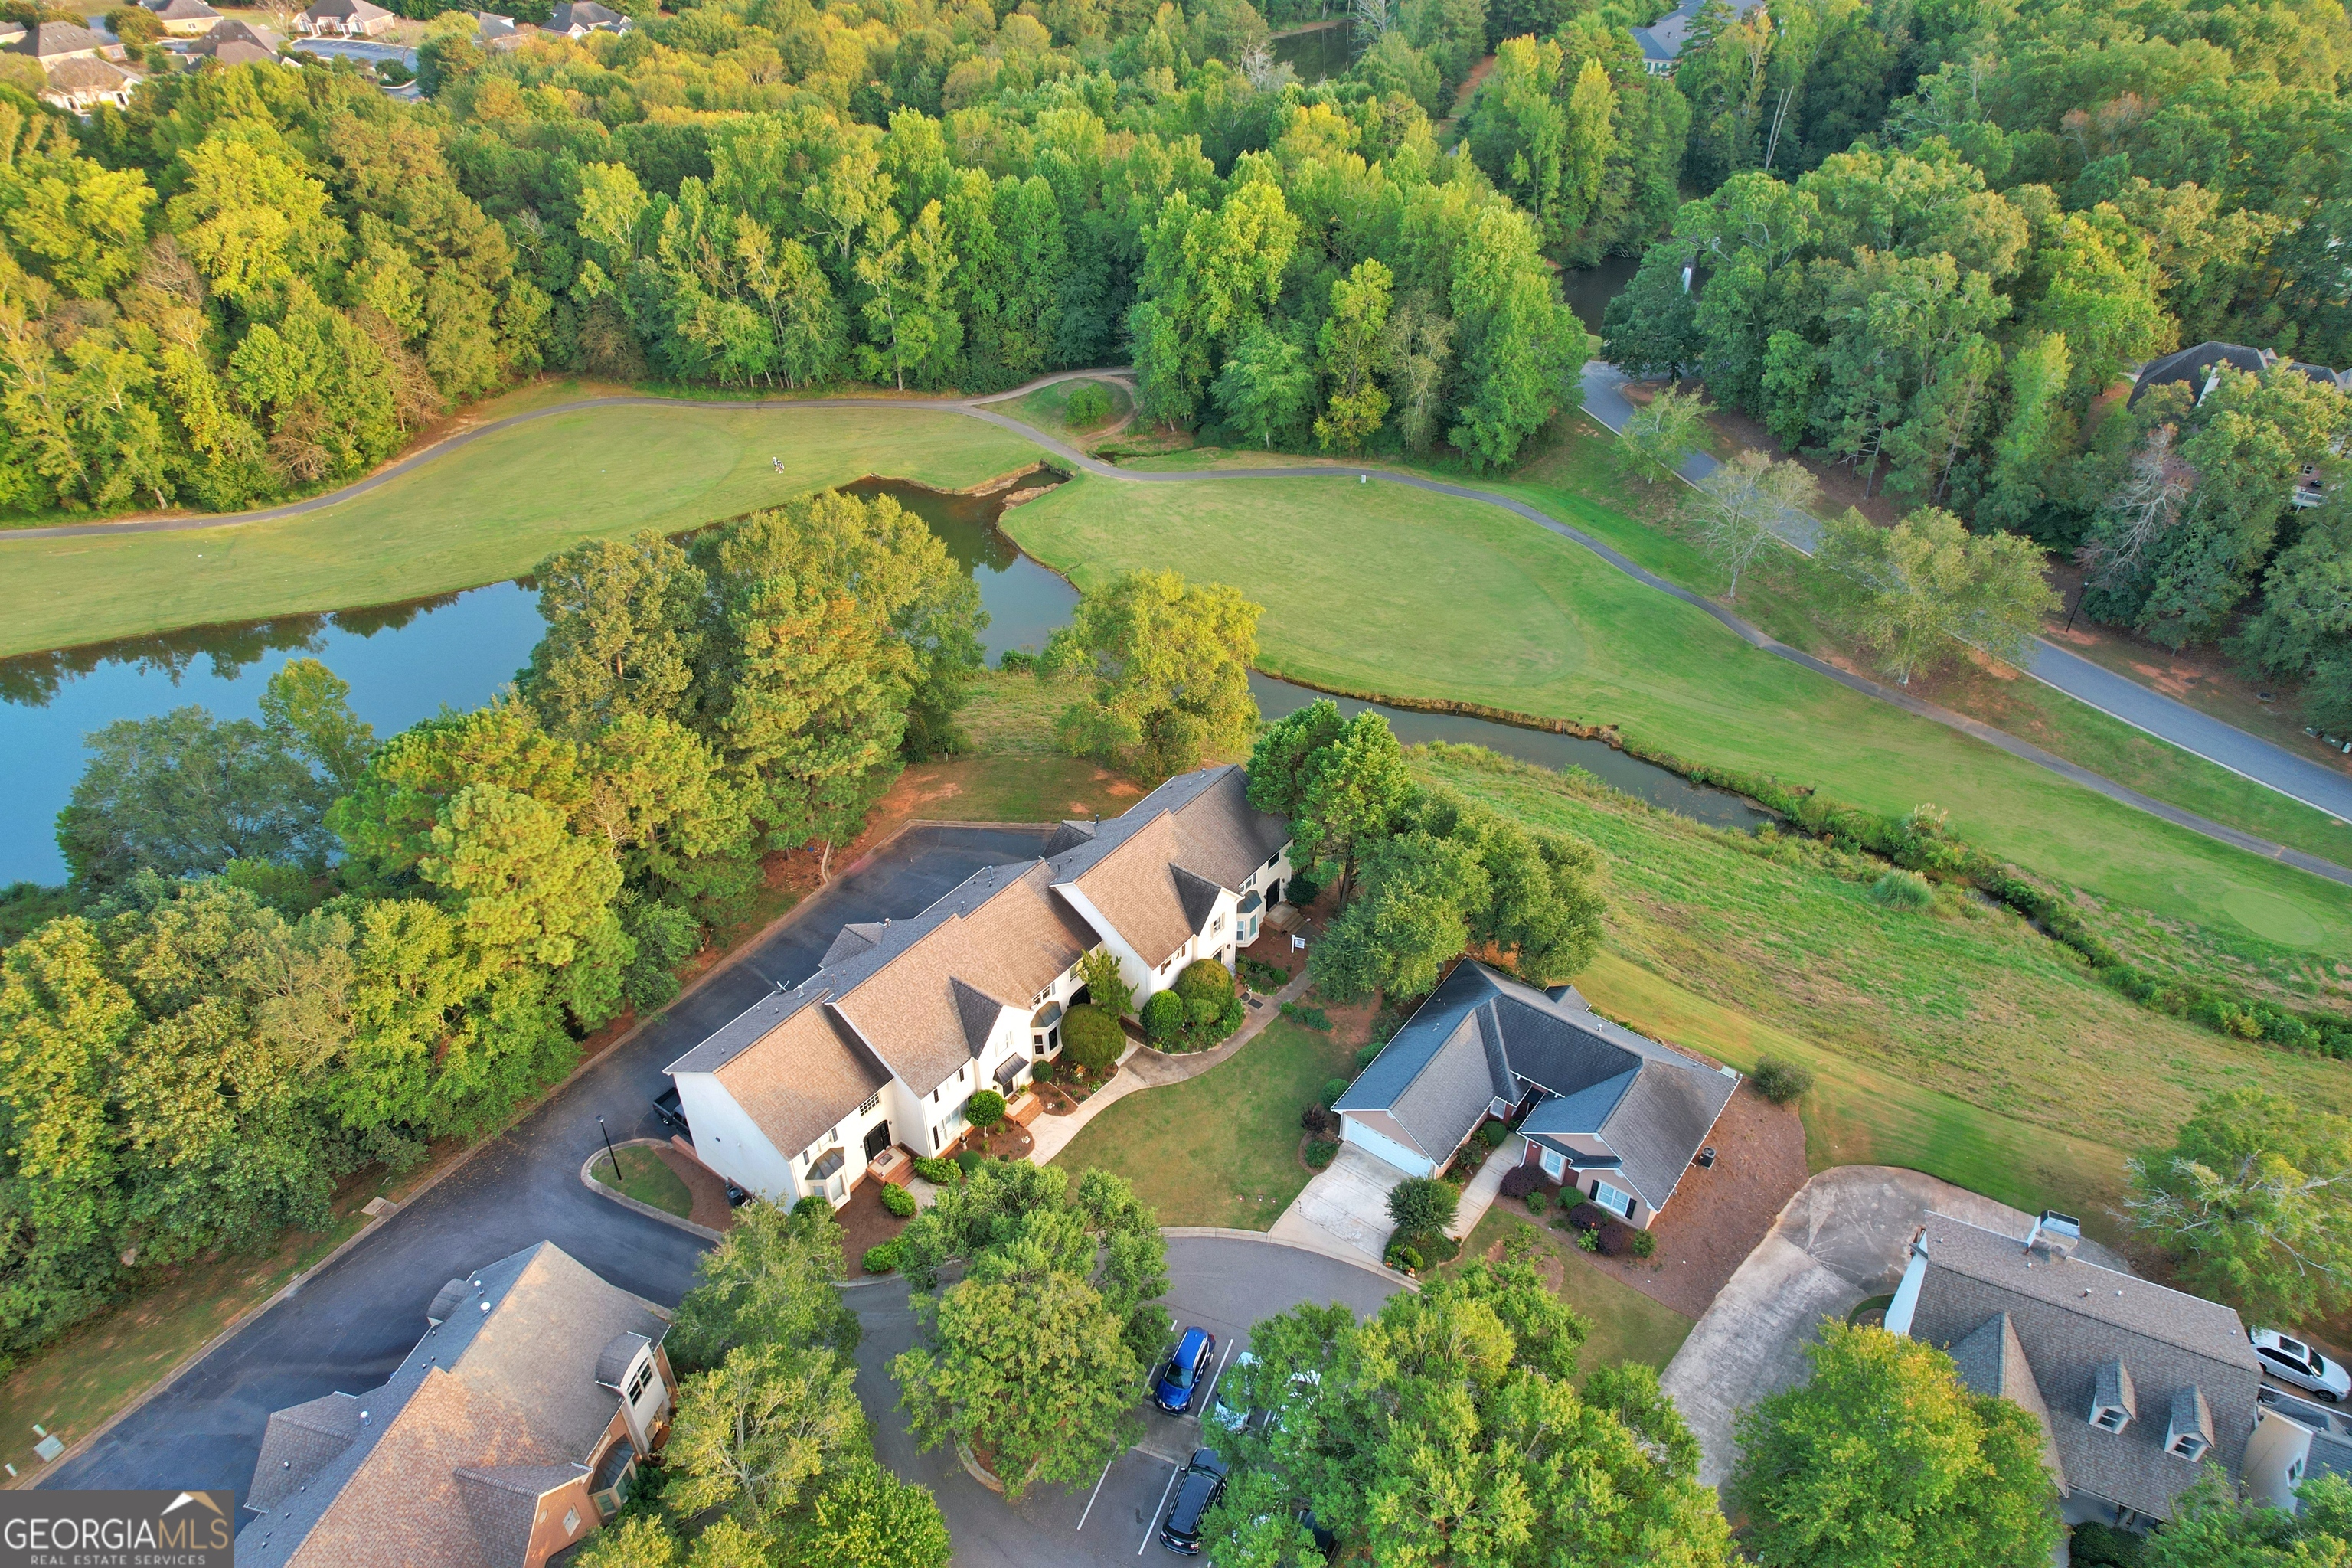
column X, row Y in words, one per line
column 984, row 1110
column 1900, row 889
column 938, row 1172
column 1312, row 1017
column 2104, row 1546
column 1493, row 1134
column 1540, row 1200
column 1300, row 890
column 1422, row 1203
column 1366, row 1056
column 1041, row 1072
column 1333, row 1088
column 1431, row 1247
column 970, row 1160
column 1588, row 1216
column 1616, row 1237
column 1018, row 661
column 1091, row 1038
column 881, row 1260
column 1779, row 1080
column 813, row 1206
column 1205, row 980
column 1089, row 407
column 1321, row 1153
column 1521, row 1180
column 1644, row 1244
column 898, row 1201
column 1404, row 1258
column 1164, row 1018
column 1318, row 1119
column 1263, row 976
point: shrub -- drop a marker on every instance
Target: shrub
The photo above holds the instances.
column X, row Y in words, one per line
column 1091, row 1038
column 1205, row 980
column 1588, row 1216
column 984, row 1110
column 811, row 1208
column 1263, row 976
column 1540, row 1200
column 1318, row 1119
column 1164, row 1018
column 1433, row 1246
column 1615, row 1237
column 1422, row 1203
column 881, row 1260
column 1589, row 1240
column 1493, row 1134
column 1901, row 889
column 1312, row 1017
column 1089, row 407
column 1781, row 1080
column 1644, row 1244
column 1018, row 661
column 1106, row 987
column 1521, row 1180
column 1404, row 1258
column 1321, row 1153
column 898, row 1201
column 970, row 1160
column 2104, row 1546
column 1366, row 1056
column 938, row 1172
column 1300, row 890
column 1041, row 1072
column 1333, row 1088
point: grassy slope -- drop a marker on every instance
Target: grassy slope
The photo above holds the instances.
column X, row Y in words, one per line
column 491, row 512
column 1221, row 1148
column 644, row 1177
column 1395, row 591
column 1049, row 409
column 1622, row 1323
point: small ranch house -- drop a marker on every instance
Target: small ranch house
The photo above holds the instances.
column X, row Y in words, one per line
column 344, row 19
column 1615, row 1115
column 907, row 1019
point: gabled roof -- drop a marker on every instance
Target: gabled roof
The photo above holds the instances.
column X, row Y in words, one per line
column 370, row 1479
column 2191, row 366
column 49, row 41
column 1483, row 1035
column 180, row 10
column 501, row 1502
column 344, row 11
column 1134, row 869
column 2094, row 1335
column 809, row 1072
column 585, row 14
column 1992, row 1361
column 1666, row 38
column 81, row 74
column 229, row 30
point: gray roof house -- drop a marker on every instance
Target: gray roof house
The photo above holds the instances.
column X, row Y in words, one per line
column 182, row 18
column 49, row 42
column 509, row 1431
column 1663, row 41
column 1623, row 1112
column 2137, row 1387
column 578, row 18
column 2194, row 368
column 906, row 1019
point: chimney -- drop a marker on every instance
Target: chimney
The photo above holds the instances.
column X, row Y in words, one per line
column 2056, row 1233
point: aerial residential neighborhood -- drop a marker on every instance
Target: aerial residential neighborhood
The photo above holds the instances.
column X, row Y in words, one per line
column 1447, row 783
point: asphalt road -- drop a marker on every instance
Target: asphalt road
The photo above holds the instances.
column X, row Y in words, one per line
column 346, row 1328
column 1223, row 1284
column 2299, row 778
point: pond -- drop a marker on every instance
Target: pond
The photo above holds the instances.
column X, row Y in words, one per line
column 405, row 662
column 1589, row 289
column 1318, row 52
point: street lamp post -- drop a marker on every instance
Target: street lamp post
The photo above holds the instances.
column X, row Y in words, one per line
column 608, row 1150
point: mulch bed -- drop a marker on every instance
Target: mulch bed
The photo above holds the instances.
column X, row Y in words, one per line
column 1717, row 1216
column 865, row 1222
column 710, row 1192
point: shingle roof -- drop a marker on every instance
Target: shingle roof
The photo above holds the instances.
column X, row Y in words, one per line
column 1480, row 1031
column 48, row 41
column 583, row 14
column 2082, row 1326
column 345, row 11
column 614, row 1360
column 502, row 1504
column 1993, row 1361
column 300, row 1441
column 80, row 74
column 807, row 1073
column 229, row 30
column 487, row 1390
column 2192, row 365
column 180, row 10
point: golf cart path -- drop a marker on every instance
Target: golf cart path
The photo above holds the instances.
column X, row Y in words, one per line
column 2172, row 721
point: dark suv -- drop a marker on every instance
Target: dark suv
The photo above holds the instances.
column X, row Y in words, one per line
column 1179, row 1379
column 1197, row 1491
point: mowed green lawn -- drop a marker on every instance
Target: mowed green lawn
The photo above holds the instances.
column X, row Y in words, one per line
column 1221, row 1148
column 1621, row 1324
column 493, row 510
column 1380, row 588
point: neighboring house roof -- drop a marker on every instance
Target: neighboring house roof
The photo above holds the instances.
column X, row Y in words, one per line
column 2192, row 367
column 418, row 1471
column 586, row 14
column 1483, row 1036
column 919, row 998
column 81, row 74
column 490, row 25
column 347, row 11
column 180, row 10
column 56, row 40
column 237, row 52
column 249, row 34
column 2089, row 1333
column 1664, row 38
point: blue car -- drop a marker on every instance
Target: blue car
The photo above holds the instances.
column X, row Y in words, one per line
column 1179, row 1381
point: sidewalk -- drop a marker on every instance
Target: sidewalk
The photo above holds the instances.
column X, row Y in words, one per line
column 1143, row 1067
column 1480, row 1195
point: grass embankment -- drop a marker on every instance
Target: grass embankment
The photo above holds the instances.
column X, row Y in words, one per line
column 1048, row 408
column 1623, row 1324
column 641, row 1175
column 1380, row 589
column 1221, row 1148
column 492, row 509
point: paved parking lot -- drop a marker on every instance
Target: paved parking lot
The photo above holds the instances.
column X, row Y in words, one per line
column 1221, row 1283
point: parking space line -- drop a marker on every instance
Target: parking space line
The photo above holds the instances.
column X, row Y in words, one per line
column 1097, row 1491
column 1152, row 1525
column 1209, row 1395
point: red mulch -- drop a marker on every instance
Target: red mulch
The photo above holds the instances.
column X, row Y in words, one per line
column 1717, row 1216
column 710, row 1192
column 865, row 1222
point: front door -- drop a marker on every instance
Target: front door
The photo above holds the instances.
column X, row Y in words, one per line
column 878, row 1139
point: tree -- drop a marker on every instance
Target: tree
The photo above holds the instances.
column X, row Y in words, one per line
column 753, row 1434
column 1173, row 684
column 1099, row 973
column 1412, row 918
column 1650, row 331
column 2252, row 1199
column 1659, row 435
column 1287, row 753
column 1884, row 1457
column 1748, row 503
column 1355, row 786
column 769, row 1282
column 1913, row 589
column 1267, row 387
column 1353, row 342
column 2213, row 1527
column 867, row 1518
column 625, row 628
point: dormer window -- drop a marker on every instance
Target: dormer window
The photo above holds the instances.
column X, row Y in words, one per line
column 2113, row 1401
column 2190, row 1432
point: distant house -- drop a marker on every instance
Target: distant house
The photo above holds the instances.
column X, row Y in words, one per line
column 908, row 1020
column 1663, row 41
column 2295, row 1439
column 49, row 42
column 512, row 1429
column 82, row 82
column 578, row 20
column 184, row 18
column 1616, row 1115
column 2200, row 369
column 344, row 19
column 2137, row 1387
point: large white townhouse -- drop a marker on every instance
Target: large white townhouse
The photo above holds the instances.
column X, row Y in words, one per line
column 905, row 1020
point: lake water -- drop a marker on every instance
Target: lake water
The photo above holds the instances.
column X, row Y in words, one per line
column 1589, row 289
column 1317, row 53
column 405, row 662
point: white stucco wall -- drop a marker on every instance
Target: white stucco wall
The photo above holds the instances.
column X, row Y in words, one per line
column 2277, row 1445
column 727, row 1139
column 1384, row 1147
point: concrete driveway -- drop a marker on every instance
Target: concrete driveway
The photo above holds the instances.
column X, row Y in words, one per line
column 1344, row 1211
column 1223, row 1283
column 1840, row 1240
column 346, row 1328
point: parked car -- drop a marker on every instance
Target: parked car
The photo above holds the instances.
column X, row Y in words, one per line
column 737, row 1196
column 671, row 1110
column 1222, row 1411
column 1179, row 1379
column 1198, row 1488
column 2292, row 1360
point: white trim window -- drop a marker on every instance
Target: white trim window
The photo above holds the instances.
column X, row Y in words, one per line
column 1555, row 1163
column 1610, row 1198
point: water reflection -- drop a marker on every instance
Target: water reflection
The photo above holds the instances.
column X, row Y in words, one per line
column 1589, row 289
column 1317, row 53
